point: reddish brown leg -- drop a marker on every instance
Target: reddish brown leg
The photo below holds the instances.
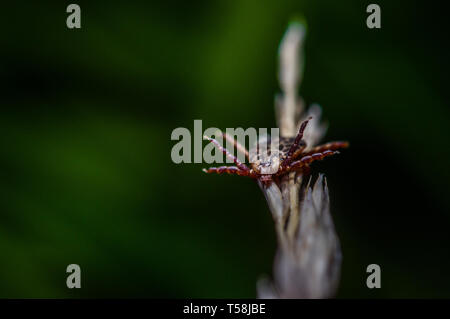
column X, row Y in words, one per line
column 299, row 152
column 238, row 163
column 332, row 146
column 309, row 159
column 289, row 156
column 236, row 144
column 232, row 170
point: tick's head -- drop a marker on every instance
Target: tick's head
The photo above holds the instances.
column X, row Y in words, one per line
column 267, row 164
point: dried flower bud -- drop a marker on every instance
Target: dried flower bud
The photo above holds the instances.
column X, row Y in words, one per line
column 308, row 265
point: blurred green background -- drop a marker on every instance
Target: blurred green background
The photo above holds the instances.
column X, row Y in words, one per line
column 86, row 172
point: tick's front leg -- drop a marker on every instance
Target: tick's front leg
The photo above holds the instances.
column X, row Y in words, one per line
column 305, row 160
column 332, row 146
column 289, row 156
column 238, row 145
column 238, row 163
column 232, row 170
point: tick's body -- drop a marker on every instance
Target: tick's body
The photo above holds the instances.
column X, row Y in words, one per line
column 290, row 156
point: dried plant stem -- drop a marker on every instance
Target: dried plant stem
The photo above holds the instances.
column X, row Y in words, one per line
column 308, row 260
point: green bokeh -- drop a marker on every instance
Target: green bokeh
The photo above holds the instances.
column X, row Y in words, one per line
column 86, row 172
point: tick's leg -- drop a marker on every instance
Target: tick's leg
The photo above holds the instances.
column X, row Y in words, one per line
column 238, row 163
column 289, row 156
column 232, row 170
column 332, row 146
column 308, row 159
column 238, row 145
column 299, row 151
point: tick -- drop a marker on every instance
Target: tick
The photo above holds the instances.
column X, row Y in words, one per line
column 272, row 164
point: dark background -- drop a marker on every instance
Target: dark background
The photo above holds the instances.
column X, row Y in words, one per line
column 86, row 175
